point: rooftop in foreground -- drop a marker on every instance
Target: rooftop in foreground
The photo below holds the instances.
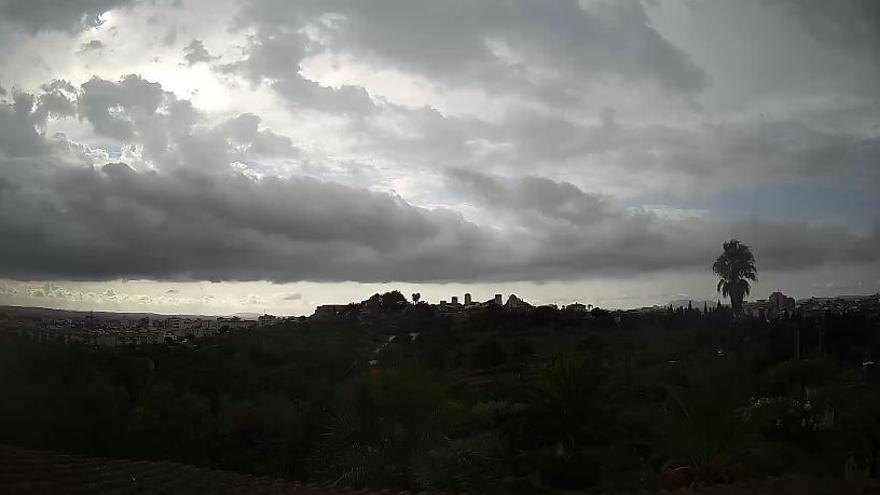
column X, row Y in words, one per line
column 27, row 472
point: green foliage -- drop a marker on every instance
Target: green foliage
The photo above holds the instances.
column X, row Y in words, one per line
column 794, row 376
column 609, row 402
column 522, row 351
column 565, row 405
column 264, row 434
column 569, row 472
column 165, row 420
column 138, row 372
column 703, row 425
column 388, row 302
column 400, row 429
column 784, row 418
column 488, row 354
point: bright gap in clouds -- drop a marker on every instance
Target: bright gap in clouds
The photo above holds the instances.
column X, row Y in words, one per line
column 294, row 299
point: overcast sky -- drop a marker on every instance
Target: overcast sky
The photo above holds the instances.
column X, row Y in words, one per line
column 222, row 156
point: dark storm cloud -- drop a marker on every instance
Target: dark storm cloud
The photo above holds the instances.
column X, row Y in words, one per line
column 193, row 218
column 275, row 58
column 494, row 46
column 550, row 199
column 456, row 44
column 56, row 101
column 752, row 152
column 244, row 129
column 113, row 222
column 467, row 40
column 92, row 45
column 96, row 224
column 851, row 24
column 18, row 120
column 793, row 245
column 585, row 233
column 196, row 52
column 17, row 134
column 68, row 15
column 701, row 157
column 100, row 100
column 133, row 109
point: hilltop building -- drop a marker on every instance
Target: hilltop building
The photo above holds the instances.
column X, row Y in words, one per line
column 780, row 305
column 514, row 302
column 331, row 310
column 267, row 320
column 576, row 307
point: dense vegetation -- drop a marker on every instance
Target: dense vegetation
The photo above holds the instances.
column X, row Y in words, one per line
column 503, row 402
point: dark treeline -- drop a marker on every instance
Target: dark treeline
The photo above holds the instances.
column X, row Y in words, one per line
column 502, row 402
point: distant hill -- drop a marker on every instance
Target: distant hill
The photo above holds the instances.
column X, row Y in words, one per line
column 248, row 316
column 841, row 298
column 37, row 312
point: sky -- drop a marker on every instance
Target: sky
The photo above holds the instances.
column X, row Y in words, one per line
column 250, row 156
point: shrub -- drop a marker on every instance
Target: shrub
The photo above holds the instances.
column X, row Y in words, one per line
column 488, row 355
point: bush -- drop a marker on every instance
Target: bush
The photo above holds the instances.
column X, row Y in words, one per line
column 488, row 355
column 571, row 472
column 522, row 351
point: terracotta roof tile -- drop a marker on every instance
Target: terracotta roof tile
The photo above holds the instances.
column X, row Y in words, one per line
column 32, row 472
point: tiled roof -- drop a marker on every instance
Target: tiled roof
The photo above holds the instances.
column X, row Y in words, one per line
column 31, row 472
column 790, row 485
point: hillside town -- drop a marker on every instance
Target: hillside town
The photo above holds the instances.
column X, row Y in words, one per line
column 111, row 330
column 777, row 305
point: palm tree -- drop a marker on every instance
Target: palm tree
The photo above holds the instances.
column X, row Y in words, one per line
column 735, row 267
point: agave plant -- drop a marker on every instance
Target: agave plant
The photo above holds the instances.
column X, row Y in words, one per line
column 704, row 426
column 565, row 401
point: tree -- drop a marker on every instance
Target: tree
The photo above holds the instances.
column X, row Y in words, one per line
column 416, row 297
column 388, row 302
column 735, row 267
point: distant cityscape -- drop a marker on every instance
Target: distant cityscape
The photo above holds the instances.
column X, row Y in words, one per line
column 776, row 305
column 112, row 329
column 122, row 329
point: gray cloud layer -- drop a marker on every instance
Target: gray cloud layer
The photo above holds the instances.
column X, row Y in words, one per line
column 852, row 24
column 203, row 221
column 553, row 54
column 70, row 15
column 596, row 93
column 196, row 52
column 455, row 40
